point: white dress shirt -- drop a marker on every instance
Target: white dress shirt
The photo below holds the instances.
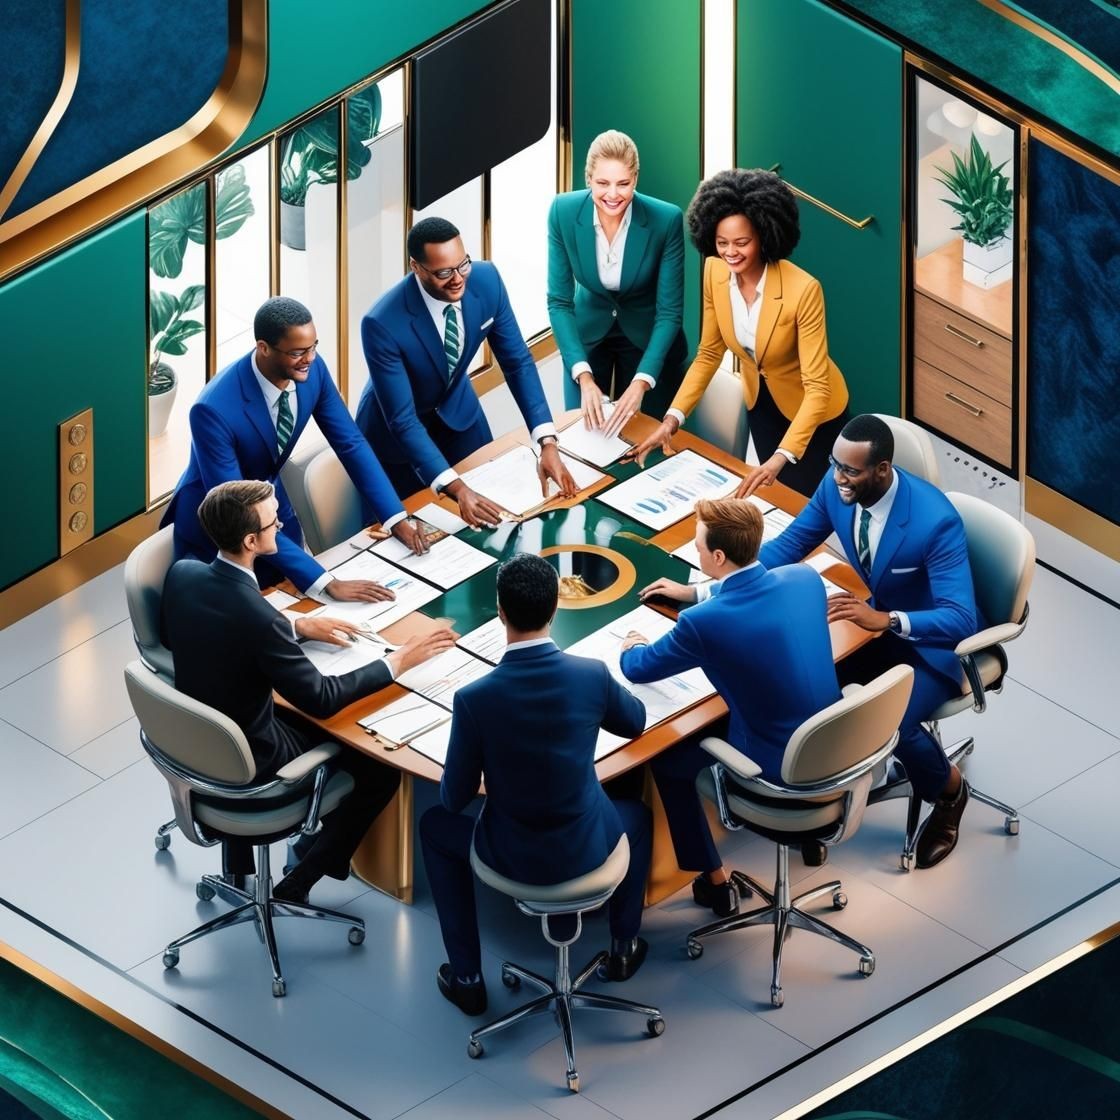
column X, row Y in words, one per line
column 529, row 643
column 707, row 590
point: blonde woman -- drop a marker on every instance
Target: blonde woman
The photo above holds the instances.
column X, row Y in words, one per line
column 615, row 288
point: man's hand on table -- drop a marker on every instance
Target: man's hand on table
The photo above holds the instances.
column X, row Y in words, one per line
column 408, row 532
column 633, row 639
column 669, row 589
column 333, row 631
column 357, row 591
column 845, row 607
column 551, row 466
column 478, row 512
column 661, row 436
column 419, row 648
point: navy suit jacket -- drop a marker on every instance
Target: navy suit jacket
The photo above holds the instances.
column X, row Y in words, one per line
column 408, row 370
column 233, row 437
column 763, row 641
column 921, row 563
column 530, row 726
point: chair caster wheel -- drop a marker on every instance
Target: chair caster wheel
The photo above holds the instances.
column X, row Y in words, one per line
column 1011, row 826
column 839, row 900
column 356, row 935
column 162, row 842
column 695, row 949
column 573, row 1082
column 171, row 958
column 866, row 966
column 511, row 979
column 655, row 1027
column 204, row 891
column 906, row 861
column 776, row 997
column 279, row 988
column 474, row 1049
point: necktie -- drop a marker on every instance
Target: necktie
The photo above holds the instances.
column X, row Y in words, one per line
column 451, row 338
column 284, row 423
column 864, row 545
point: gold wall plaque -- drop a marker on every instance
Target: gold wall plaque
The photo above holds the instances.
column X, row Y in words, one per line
column 75, row 498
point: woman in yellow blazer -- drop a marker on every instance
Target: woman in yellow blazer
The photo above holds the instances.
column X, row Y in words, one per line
column 770, row 314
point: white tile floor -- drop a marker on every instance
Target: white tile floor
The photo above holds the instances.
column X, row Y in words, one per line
column 363, row 1032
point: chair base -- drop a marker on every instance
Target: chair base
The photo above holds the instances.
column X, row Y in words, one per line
column 915, row 820
column 562, row 996
column 784, row 915
column 260, row 908
column 162, row 839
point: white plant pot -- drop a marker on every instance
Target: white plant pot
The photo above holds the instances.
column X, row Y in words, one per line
column 293, row 227
column 988, row 265
column 159, row 411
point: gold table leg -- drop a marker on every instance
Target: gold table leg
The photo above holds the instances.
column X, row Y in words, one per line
column 384, row 857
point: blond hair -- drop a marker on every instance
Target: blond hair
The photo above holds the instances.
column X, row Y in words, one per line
column 611, row 144
column 733, row 526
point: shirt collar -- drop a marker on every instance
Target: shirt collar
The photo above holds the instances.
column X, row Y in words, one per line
column 881, row 510
column 739, row 571
column 271, row 392
column 623, row 225
column 758, row 291
column 240, row 567
column 529, row 643
column 435, row 306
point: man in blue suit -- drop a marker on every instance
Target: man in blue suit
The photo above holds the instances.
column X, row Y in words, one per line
column 764, row 643
column 908, row 542
column 245, row 424
column 530, row 728
column 419, row 410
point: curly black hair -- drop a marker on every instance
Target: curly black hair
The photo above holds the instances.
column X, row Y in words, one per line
column 759, row 195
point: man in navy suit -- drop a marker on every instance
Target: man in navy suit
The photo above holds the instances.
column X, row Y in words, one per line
column 763, row 642
column 908, row 542
column 245, row 424
column 530, row 728
column 419, row 409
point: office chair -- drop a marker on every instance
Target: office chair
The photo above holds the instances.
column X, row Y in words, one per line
column 720, row 417
column 913, row 449
column 329, row 507
column 1001, row 554
column 209, row 768
column 563, row 994
column 827, row 771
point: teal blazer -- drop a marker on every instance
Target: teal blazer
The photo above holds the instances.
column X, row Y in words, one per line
column 647, row 306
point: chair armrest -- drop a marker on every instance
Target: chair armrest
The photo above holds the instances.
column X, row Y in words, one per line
column 299, row 768
column 992, row 636
column 734, row 760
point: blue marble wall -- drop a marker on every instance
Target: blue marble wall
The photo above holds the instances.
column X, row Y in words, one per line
column 1073, row 379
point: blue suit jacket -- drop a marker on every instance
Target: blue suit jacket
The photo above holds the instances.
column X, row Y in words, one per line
column 408, row 370
column 921, row 563
column 530, row 726
column 233, row 437
column 763, row 641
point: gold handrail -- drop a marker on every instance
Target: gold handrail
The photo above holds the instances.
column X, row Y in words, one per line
column 854, row 223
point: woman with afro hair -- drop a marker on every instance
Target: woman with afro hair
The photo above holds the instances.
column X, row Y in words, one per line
column 770, row 314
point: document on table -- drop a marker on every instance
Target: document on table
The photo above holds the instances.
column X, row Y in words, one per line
column 664, row 493
column 446, row 563
column 441, row 518
column 433, row 744
column 774, row 523
column 487, row 641
column 401, row 721
column 333, row 661
column 820, row 564
column 510, row 481
column 281, row 600
column 591, row 445
column 441, row 677
column 411, row 593
column 663, row 699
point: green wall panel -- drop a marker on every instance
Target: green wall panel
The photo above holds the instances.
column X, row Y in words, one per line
column 636, row 67
column 316, row 50
column 822, row 96
column 75, row 329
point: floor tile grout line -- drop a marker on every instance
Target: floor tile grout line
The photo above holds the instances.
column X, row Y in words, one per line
column 1062, row 707
column 1024, row 805
column 59, row 656
column 431, row 1097
column 107, row 731
column 1080, row 847
column 33, row 738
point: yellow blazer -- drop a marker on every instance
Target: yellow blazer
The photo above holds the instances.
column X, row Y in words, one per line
column 791, row 351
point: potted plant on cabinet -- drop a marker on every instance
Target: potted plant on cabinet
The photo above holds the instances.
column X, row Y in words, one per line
column 982, row 200
column 169, row 332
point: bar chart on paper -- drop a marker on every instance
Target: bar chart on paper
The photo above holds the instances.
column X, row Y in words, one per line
column 662, row 494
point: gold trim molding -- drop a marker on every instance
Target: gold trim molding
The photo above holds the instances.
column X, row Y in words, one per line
column 1064, row 513
column 141, row 175
column 624, row 581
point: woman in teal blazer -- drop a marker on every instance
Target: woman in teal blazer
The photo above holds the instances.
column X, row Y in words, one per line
column 616, row 288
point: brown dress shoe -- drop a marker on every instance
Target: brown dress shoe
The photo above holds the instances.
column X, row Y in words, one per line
column 939, row 837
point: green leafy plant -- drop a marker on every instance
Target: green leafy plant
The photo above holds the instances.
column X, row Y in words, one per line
column 183, row 218
column 309, row 153
column 981, row 196
column 169, row 332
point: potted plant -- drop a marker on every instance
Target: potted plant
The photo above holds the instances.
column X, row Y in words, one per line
column 309, row 155
column 982, row 200
column 169, row 332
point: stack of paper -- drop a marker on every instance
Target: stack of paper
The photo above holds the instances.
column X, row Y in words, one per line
column 411, row 593
column 333, row 661
column 487, row 641
column 511, row 482
column 446, row 563
column 591, row 445
column 661, row 495
column 403, row 720
column 441, row 677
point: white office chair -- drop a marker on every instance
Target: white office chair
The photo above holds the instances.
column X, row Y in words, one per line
column 720, row 417
column 827, row 771
column 913, row 449
column 330, row 508
column 209, row 768
column 562, row 995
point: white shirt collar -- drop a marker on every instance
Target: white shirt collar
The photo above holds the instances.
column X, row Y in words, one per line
column 529, row 643
column 239, row 567
column 435, row 306
column 758, row 290
column 623, row 225
column 881, row 510
column 271, row 392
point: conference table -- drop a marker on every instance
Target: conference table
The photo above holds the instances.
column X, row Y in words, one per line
column 597, row 532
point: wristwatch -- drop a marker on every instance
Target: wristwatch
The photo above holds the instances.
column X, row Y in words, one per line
column 547, row 439
column 895, row 623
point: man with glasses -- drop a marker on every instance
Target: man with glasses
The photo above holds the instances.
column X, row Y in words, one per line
column 419, row 411
column 245, row 425
column 907, row 541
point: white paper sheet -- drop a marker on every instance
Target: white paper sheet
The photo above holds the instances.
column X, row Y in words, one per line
column 404, row 719
column 441, row 677
column 411, row 593
column 433, row 744
column 664, row 493
column 487, row 641
column 446, row 563
column 281, row 600
column 510, row 481
column 333, row 661
column 775, row 523
column 441, row 518
column 592, row 446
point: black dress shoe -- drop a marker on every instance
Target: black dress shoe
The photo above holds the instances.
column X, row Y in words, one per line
column 296, row 885
column 470, row 999
column 939, row 837
column 814, row 853
column 721, row 898
column 627, row 955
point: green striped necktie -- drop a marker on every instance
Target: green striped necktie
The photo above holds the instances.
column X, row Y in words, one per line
column 864, row 545
column 451, row 338
column 284, row 422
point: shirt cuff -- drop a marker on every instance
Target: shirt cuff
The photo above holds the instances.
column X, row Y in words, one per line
column 787, row 455
column 315, row 591
column 389, row 522
column 580, row 367
column 903, row 624
column 704, row 590
column 677, row 413
column 542, row 430
column 389, row 666
column 444, row 479
column 648, row 378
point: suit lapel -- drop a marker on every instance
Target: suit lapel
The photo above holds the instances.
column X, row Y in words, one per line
column 255, row 407
column 893, row 531
column 721, row 298
column 637, row 241
column 423, row 327
column 585, row 245
column 771, row 308
column 471, row 307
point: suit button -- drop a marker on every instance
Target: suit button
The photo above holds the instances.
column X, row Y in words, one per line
column 614, row 313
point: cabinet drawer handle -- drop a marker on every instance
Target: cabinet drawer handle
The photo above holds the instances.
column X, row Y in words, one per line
column 977, row 342
column 971, row 408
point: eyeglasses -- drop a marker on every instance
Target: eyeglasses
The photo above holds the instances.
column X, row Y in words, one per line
column 844, row 469
column 303, row 351
column 276, row 524
column 463, row 269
